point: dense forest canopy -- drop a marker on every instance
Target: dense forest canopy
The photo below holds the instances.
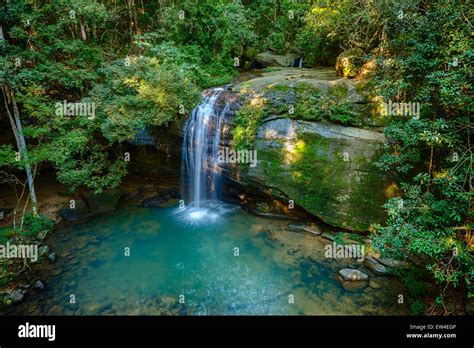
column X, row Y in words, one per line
column 145, row 63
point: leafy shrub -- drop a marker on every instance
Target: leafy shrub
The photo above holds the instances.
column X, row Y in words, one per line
column 32, row 225
column 417, row 307
column 246, row 122
column 343, row 113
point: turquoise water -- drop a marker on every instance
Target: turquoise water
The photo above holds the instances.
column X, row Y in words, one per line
column 222, row 261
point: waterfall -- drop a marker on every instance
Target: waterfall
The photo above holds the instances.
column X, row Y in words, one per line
column 200, row 150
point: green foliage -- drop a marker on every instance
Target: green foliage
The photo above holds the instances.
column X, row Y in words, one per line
column 6, row 233
column 218, row 27
column 414, row 281
column 277, row 23
column 417, row 307
column 245, row 126
column 329, row 26
column 343, row 113
column 421, row 223
column 310, row 105
column 349, row 238
column 141, row 92
column 410, row 140
column 200, row 66
column 430, row 63
column 32, row 225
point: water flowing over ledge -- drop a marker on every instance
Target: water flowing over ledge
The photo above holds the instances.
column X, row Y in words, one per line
column 200, row 152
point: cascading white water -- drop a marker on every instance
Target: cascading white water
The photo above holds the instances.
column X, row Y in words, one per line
column 200, row 149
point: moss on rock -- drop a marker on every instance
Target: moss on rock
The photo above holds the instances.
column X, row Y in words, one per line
column 325, row 169
column 349, row 62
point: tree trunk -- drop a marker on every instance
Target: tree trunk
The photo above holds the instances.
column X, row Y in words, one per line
column 83, row 32
column 21, row 143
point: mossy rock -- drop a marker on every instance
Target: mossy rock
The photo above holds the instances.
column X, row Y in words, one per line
column 78, row 212
column 301, row 156
column 348, row 63
column 326, row 169
column 271, row 59
column 103, row 202
column 250, row 53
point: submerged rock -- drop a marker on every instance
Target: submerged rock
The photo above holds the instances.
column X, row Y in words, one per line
column 14, row 296
column 312, row 229
column 39, row 285
column 103, row 202
column 372, row 264
column 43, row 250
column 79, row 213
column 106, row 310
column 374, row 285
column 52, row 257
column 352, row 279
column 161, row 199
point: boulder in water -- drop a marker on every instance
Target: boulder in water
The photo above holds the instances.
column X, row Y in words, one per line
column 311, row 229
column 79, row 213
column 161, row 199
column 352, row 279
column 103, row 202
column 39, row 285
column 372, row 264
column 52, row 257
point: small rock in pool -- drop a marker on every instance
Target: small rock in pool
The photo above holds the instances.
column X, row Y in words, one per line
column 14, row 296
column 43, row 250
column 352, row 279
column 374, row 265
column 57, row 272
column 312, row 229
column 329, row 236
column 106, row 310
column 349, row 274
column 52, row 257
column 374, row 285
column 39, row 285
